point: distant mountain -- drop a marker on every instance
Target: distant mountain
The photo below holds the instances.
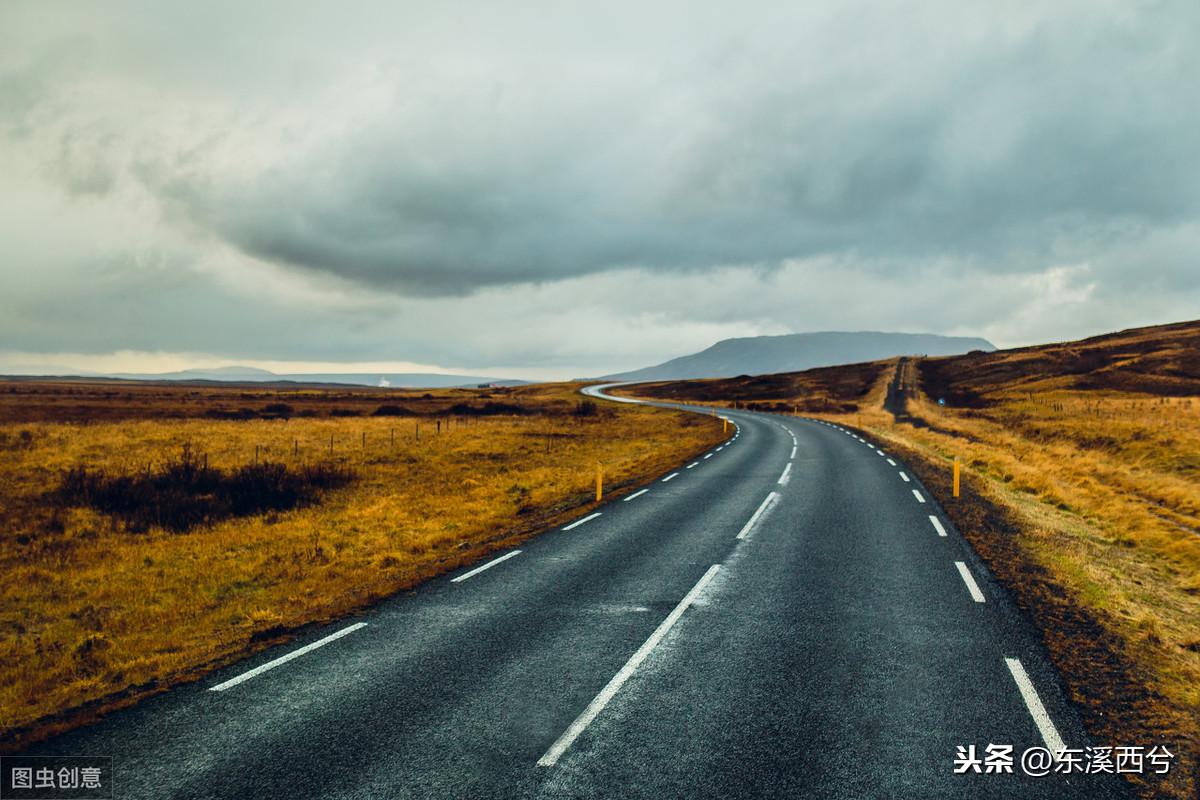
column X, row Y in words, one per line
column 761, row 355
column 237, row 374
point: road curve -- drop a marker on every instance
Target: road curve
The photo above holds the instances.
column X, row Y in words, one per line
column 781, row 617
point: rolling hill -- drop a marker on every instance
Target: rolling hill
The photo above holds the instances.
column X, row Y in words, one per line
column 761, row 355
column 239, row 374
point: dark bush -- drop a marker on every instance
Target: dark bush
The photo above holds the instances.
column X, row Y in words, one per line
column 225, row 413
column 391, row 411
column 278, row 410
column 586, row 408
column 186, row 493
column 344, row 412
column 18, row 441
column 488, row 409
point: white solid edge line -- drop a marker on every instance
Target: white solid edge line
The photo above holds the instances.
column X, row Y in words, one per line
column 308, row 648
column 762, row 509
column 892, row 463
column 579, row 522
column 969, row 580
column 937, row 525
column 568, row 737
column 636, row 495
column 1054, row 742
column 784, row 478
column 917, row 495
column 672, row 475
column 488, row 565
column 904, row 476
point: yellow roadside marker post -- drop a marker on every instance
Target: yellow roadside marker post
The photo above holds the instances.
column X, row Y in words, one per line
column 956, row 476
column 599, row 481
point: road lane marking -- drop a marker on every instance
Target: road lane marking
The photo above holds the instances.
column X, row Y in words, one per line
column 636, row 495
column 672, row 475
column 969, row 580
column 937, row 525
column 1045, row 725
column 892, row 463
column 308, row 648
column 606, row 694
column 693, row 464
column 793, row 451
column 708, row 455
column 917, row 495
column 488, row 565
column 881, row 453
column 579, row 522
column 786, row 476
column 905, row 476
column 766, row 506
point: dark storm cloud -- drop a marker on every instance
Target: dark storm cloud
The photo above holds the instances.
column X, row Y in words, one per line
column 540, row 184
column 1074, row 130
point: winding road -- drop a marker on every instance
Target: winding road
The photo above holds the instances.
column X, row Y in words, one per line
column 790, row 615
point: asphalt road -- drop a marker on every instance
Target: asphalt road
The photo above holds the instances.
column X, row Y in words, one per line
column 781, row 618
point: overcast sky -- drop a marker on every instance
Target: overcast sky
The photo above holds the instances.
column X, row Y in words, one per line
column 557, row 189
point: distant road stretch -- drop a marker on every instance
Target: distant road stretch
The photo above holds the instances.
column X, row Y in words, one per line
column 789, row 615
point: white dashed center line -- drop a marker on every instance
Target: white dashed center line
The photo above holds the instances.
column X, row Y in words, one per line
column 672, row 475
column 937, row 525
column 917, row 495
column 608, row 692
column 766, row 506
column 636, row 495
column 904, row 476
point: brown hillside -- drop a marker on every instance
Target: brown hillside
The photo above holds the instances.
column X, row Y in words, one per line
column 826, row 389
column 1163, row 360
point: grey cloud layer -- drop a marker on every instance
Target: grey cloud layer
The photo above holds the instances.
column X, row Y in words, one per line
column 452, row 168
column 1075, row 130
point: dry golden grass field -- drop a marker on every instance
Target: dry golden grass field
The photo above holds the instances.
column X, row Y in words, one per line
column 1081, row 489
column 98, row 607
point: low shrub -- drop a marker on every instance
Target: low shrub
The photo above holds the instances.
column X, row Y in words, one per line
column 186, row 493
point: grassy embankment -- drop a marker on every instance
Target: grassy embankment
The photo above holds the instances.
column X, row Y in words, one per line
column 1082, row 491
column 97, row 608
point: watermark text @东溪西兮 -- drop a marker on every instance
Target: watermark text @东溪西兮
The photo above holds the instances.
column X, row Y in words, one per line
column 998, row 759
